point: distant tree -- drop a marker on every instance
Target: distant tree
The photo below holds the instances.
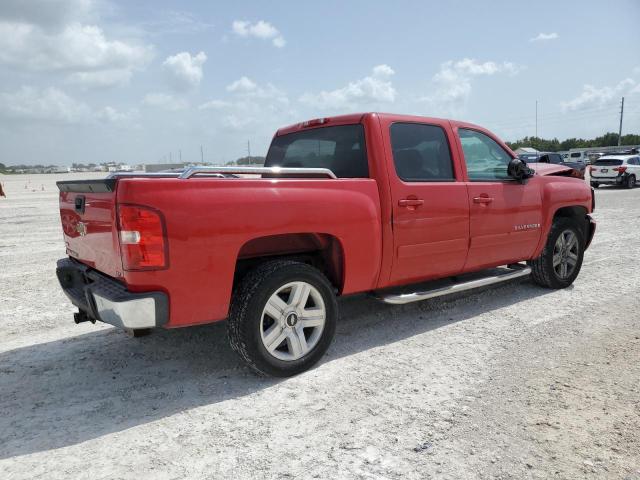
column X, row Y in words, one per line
column 250, row 161
column 609, row 139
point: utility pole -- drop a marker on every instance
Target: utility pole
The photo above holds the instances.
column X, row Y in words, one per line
column 170, row 158
column 536, row 118
column 180, row 152
column 249, row 149
column 201, row 154
column 620, row 129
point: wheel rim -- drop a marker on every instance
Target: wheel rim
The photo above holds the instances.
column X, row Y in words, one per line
column 292, row 321
column 565, row 254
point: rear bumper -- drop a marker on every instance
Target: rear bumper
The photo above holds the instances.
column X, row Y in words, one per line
column 608, row 180
column 107, row 300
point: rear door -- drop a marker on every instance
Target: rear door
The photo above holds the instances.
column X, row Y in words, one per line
column 430, row 211
column 505, row 216
column 88, row 216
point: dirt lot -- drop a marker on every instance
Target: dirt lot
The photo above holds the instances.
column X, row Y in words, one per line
column 511, row 382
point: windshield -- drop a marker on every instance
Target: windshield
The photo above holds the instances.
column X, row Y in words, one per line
column 341, row 149
column 608, row 161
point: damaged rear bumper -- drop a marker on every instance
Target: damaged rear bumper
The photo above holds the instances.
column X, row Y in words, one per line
column 99, row 297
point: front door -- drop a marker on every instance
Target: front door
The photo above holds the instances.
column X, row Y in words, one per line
column 505, row 216
column 430, row 206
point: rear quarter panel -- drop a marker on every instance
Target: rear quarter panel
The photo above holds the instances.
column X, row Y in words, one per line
column 208, row 221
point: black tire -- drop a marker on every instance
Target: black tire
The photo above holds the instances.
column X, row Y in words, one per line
column 631, row 181
column 542, row 270
column 595, row 184
column 248, row 302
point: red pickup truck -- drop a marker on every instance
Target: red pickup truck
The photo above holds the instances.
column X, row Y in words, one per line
column 403, row 207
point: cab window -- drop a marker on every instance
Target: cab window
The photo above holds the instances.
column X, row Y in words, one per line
column 486, row 160
column 421, row 153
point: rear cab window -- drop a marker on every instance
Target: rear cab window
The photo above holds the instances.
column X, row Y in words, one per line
column 421, row 153
column 341, row 149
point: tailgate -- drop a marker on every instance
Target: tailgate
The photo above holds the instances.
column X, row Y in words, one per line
column 88, row 215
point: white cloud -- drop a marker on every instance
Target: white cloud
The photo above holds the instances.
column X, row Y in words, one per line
column 260, row 29
column 100, row 79
column 592, row 96
column 111, row 115
column 215, row 105
column 48, row 104
column 453, row 83
column 48, row 14
column 52, row 105
column 252, row 107
column 247, row 90
column 243, row 84
column 165, row 102
column 77, row 47
column 184, row 71
column 53, row 36
column 368, row 91
column 543, row 37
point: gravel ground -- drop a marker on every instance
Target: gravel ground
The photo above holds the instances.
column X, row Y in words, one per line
column 510, row 382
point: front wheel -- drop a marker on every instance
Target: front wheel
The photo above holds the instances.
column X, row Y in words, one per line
column 595, row 184
column 283, row 318
column 561, row 258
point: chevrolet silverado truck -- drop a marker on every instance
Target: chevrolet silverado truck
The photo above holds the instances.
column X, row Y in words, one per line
column 405, row 208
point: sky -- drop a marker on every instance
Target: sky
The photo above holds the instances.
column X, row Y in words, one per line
column 148, row 82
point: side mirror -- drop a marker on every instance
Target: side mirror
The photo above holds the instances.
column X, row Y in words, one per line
column 519, row 171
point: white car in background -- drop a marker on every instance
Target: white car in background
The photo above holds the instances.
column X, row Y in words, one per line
column 623, row 170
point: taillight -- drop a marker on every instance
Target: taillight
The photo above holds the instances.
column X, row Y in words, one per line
column 143, row 241
column 314, row 122
column 620, row 169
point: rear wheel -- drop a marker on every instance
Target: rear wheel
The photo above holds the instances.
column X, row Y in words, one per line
column 283, row 318
column 561, row 259
column 631, row 181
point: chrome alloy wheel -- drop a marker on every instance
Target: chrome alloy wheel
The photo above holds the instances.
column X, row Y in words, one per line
column 292, row 321
column 565, row 254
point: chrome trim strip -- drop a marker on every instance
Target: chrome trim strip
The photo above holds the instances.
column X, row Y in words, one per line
column 520, row 271
column 191, row 171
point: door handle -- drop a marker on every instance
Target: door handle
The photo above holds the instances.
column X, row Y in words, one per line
column 482, row 199
column 410, row 202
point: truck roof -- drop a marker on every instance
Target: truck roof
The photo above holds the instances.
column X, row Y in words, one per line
column 352, row 118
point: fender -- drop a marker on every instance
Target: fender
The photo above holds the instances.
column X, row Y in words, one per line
column 557, row 193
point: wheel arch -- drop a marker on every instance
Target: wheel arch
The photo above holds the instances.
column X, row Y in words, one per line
column 320, row 250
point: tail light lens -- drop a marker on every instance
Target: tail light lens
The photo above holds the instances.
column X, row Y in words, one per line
column 620, row 169
column 143, row 239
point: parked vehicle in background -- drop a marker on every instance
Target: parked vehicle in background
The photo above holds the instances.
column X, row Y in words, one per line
column 578, row 157
column 357, row 203
column 555, row 158
column 622, row 170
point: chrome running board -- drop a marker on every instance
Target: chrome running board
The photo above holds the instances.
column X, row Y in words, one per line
column 511, row 272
